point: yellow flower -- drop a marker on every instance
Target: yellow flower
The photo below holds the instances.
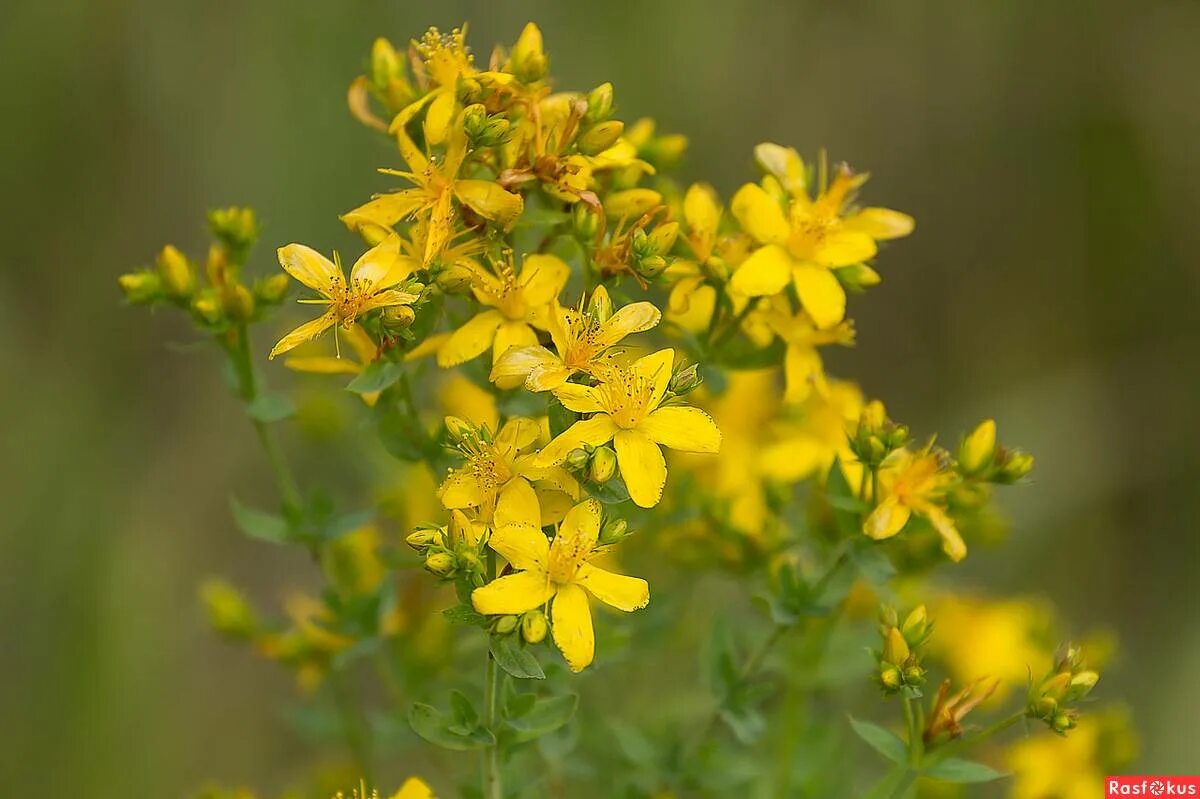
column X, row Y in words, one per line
column 515, row 304
column 803, row 369
column 626, row 410
column 915, row 482
column 436, row 187
column 372, row 285
column 1002, row 639
column 814, row 237
column 492, row 465
column 555, row 570
column 580, row 337
column 414, row 788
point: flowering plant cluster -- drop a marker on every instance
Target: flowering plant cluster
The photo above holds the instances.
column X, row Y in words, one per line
column 558, row 346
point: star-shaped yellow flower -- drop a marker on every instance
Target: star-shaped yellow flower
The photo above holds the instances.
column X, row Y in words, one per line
column 556, row 571
column 372, row 285
column 627, row 409
column 812, row 238
column 580, row 335
column 916, row 483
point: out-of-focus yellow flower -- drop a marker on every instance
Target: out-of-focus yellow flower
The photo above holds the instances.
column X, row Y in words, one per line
column 462, row 397
column 813, row 433
column 996, row 638
column 555, row 570
column 494, row 465
column 803, row 368
column 1049, row 766
column 365, row 351
column 626, row 410
column 372, row 285
column 815, row 236
column 414, row 788
column 580, row 335
column 916, row 482
column 516, row 303
column 353, row 563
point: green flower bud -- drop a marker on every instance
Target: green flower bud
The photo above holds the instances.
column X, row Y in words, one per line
column 141, row 287
column 600, row 305
column 1082, row 684
column 236, row 228
column 613, row 531
column 895, row 648
column 685, row 380
column 528, row 60
column 585, row 220
column 1045, row 707
column 653, row 266
column 915, row 624
column 663, row 238
column 891, row 678
column 599, row 104
column 454, row 279
column 914, row 675
column 228, row 611
column 898, row 436
column 398, row 317
column 506, row 624
column 207, row 307
column 977, row 449
column 604, row 465
column 423, row 538
column 577, row 459
column 1063, row 721
column 460, row 429
column 857, row 277
column 176, row 272
column 534, row 627
column 272, row 289
column 441, row 564
column 600, row 137
column 237, row 301
column 385, row 64
column 1016, row 466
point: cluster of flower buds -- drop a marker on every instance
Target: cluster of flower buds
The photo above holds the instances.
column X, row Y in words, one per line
column 876, row 436
column 980, row 458
column 532, row 625
column 899, row 661
column 1052, row 700
column 451, row 551
column 648, row 251
column 597, row 464
column 223, row 298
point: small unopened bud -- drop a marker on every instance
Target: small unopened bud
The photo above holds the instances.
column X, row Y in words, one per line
column 914, row 675
column 600, row 137
column 272, row 289
column 585, row 220
column 236, row 228
column 141, row 287
column 599, row 104
column 978, row 448
column 534, row 627
column 1045, row 707
column 176, row 272
column 207, row 306
column 228, row 611
column 506, row 624
column 385, row 64
column 895, row 648
column 891, row 678
column 528, row 60
column 600, row 306
column 873, row 416
column 1056, row 687
column 663, row 237
column 1082, row 684
column 915, row 624
column 238, row 301
column 458, row 532
column 613, row 531
column 888, row 617
column 685, row 380
column 876, row 449
column 604, row 465
column 577, row 459
column 665, row 152
column 898, row 436
column 1017, row 465
column 857, row 277
column 1063, row 721
column 398, row 317
column 459, row 429
column 440, row 563
column 632, row 202
column 653, row 266
column 454, row 279
column 423, row 538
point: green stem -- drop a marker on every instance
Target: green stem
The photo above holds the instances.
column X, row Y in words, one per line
column 250, row 389
column 732, row 327
column 354, row 726
column 915, row 741
column 492, row 784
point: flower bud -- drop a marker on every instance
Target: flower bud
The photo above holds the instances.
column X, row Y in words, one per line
column 577, row 459
column 506, row 624
column 236, row 228
column 914, row 675
column 915, row 624
column 632, row 202
column 898, row 436
column 653, row 266
column 1056, row 687
column 613, row 531
column 272, row 289
column 888, row 617
column 440, row 563
column 663, row 238
column 1082, row 684
column 857, row 277
column 585, row 220
column 685, row 380
column 228, row 611
column 664, row 152
column 604, row 465
column 1045, row 707
column 599, row 104
column 1016, row 466
column 600, row 305
column 873, row 416
column 423, row 538
column 1063, row 721
column 600, row 137
column 978, row 448
column 176, row 272
column 454, row 279
column 891, row 678
column 459, row 531
column 895, row 648
column 459, row 429
column 528, row 61
column 207, row 307
column 398, row 317
column 534, row 627
column 237, row 301
column 141, row 287
column 385, row 64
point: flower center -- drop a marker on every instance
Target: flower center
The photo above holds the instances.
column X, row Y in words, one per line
column 567, row 553
column 582, row 333
column 626, row 395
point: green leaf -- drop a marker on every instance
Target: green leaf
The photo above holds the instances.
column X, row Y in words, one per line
column 401, row 434
column 882, row 741
column 376, row 377
column 958, row 770
column 464, row 711
column 259, row 524
column 268, row 408
column 443, row 730
column 515, row 659
column 546, row 716
column 519, row 704
column 560, row 418
column 847, row 509
column 465, row 614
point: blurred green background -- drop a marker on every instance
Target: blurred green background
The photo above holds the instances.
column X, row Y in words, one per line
column 1047, row 150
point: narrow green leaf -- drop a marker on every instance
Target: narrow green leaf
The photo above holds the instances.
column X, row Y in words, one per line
column 259, row 524
column 515, row 659
column 465, row 614
column 882, row 741
column 958, row 770
column 376, row 377
column 546, row 716
column 269, row 408
column 443, row 730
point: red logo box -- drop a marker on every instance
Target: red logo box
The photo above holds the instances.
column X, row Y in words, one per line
column 1161, row 785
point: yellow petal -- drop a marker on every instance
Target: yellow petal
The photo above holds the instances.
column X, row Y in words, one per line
column 512, row 334
column 490, row 201
column 542, row 278
column 785, row 164
column 881, row 223
column 631, row 202
column 414, row 788
column 441, row 225
column 615, row 590
column 358, row 97
column 513, row 593
column 760, row 215
column 702, row 213
column 595, row 431
column 581, row 525
column 429, row 346
column 572, row 626
column 470, row 340
column 633, row 318
column 437, row 118
column 323, row 365
column 306, row 332
column 656, row 367
column 887, row 519
column 523, row 545
column 642, row 467
column 765, row 272
column 793, row 459
column 682, row 428
column 310, row 268
column 820, row 293
column 386, row 298
column 385, row 210
column 548, row 378
column 952, row 542
column 517, row 434
column 578, row 398
column 375, row 269
column 460, row 490
column 521, row 361
column 803, row 370
column 845, row 247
